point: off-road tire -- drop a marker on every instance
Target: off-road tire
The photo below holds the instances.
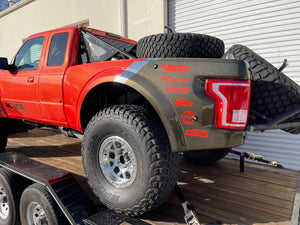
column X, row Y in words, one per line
column 37, row 193
column 205, row 157
column 3, row 134
column 175, row 45
column 10, row 186
column 157, row 166
column 272, row 92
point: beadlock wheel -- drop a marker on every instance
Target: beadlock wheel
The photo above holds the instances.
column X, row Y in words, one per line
column 117, row 162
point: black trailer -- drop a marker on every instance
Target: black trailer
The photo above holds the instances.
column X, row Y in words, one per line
column 45, row 195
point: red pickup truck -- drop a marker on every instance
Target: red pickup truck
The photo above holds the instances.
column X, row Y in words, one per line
column 135, row 114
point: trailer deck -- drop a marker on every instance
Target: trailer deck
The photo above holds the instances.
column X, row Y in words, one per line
column 261, row 194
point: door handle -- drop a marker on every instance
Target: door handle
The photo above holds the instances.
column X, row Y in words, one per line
column 31, row 79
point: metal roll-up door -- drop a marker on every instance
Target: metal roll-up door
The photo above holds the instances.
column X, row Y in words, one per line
column 272, row 29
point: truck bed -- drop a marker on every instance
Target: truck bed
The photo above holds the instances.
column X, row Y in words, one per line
column 221, row 193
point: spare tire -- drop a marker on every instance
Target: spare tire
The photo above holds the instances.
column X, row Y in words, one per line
column 272, row 92
column 175, row 45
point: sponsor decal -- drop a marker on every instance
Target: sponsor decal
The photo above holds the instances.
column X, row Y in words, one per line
column 183, row 102
column 187, row 117
column 176, row 89
column 15, row 106
column 197, row 133
column 174, row 79
column 175, row 68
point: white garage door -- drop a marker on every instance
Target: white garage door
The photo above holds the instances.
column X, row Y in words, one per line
column 272, row 29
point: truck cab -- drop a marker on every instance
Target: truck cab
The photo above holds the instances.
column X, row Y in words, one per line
column 134, row 114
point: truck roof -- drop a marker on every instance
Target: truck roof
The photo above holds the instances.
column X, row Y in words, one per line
column 92, row 30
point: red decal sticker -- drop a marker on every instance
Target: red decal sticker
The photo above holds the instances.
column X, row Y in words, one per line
column 176, row 89
column 197, row 133
column 183, row 102
column 174, row 79
column 187, row 117
column 175, row 68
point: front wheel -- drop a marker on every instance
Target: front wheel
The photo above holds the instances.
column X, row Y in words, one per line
column 127, row 159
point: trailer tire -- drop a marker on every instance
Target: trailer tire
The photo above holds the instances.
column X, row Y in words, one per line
column 35, row 202
column 9, row 198
column 205, row 157
column 175, row 45
column 272, row 92
column 149, row 168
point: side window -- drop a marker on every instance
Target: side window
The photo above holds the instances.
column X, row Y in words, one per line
column 28, row 58
column 57, row 49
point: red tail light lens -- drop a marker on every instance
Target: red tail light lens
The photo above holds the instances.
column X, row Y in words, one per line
column 232, row 98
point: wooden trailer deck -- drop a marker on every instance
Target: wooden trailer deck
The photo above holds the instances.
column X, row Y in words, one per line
column 260, row 195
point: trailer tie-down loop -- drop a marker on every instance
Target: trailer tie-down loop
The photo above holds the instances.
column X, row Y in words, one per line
column 189, row 213
column 275, row 164
column 254, row 157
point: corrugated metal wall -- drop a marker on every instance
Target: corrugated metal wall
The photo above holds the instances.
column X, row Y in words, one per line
column 272, row 29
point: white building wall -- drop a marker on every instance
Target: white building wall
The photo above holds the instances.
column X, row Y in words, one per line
column 272, row 29
column 132, row 18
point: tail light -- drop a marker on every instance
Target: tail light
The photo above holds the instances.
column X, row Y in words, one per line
column 232, row 100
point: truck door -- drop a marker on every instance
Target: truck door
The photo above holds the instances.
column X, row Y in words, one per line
column 20, row 86
column 51, row 79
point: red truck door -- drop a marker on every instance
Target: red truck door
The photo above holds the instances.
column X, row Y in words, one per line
column 51, row 78
column 20, row 87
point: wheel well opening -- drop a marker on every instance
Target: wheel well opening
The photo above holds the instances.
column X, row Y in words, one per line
column 109, row 94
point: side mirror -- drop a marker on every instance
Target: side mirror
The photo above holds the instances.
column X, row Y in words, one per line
column 3, row 63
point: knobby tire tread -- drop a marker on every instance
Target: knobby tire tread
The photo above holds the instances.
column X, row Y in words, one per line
column 272, row 92
column 164, row 163
column 175, row 45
